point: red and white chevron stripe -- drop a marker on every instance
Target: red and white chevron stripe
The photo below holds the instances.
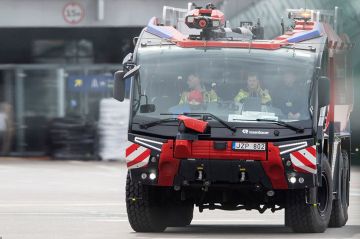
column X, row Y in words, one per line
column 304, row 160
column 137, row 156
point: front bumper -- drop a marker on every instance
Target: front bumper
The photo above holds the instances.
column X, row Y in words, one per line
column 270, row 172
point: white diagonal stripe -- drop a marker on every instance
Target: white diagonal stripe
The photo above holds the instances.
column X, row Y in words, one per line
column 299, row 164
column 308, row 156
column 141, row 163
column 135, row 154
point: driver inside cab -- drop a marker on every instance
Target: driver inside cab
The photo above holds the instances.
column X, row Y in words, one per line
column 197, row 94
column 253, row 90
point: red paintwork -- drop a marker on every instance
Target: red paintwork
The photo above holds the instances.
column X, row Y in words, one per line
column 182, row 149
column 299, row 170
column 303, row 159
column 194, row 124
column 311, row 150
column 140, row 158
column 131, row 149
column 272, row 163
column 204, row 149
column 274, row 168
column 168, row 165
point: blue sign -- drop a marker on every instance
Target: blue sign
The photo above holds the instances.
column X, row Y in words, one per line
column 93, row 83
column 90, row 83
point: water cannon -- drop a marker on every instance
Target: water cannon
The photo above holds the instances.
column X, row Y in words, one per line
column 208, row 18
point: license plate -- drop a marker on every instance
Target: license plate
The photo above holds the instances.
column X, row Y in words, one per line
column 248, row 146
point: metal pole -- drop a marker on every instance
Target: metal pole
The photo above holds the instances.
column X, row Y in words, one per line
column 336, row 19
column 318, row 16
column 19, row 104
column 100, row 10
column 60, row 74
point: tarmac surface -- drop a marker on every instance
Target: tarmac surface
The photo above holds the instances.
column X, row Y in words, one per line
column 45, row 199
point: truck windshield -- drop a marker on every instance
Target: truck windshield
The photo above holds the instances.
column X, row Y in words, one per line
column 234, row 84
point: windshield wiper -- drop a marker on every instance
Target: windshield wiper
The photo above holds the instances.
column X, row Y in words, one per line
column 156, row 122
column 233, row 129
column 282, row 123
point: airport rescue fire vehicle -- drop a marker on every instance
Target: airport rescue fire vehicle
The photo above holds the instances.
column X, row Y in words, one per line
column 222, row 119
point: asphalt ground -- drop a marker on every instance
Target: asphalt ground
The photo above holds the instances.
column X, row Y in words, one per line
column 45, row 199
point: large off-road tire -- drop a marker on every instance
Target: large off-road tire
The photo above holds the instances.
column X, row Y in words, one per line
column 180, row 214
column 144, row 213
column 339, row 214
column 305, row 218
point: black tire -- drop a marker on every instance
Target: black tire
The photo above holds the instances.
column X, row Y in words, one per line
column 305, row 218
column 339, row 214
column 180, row 214
column 144, row 214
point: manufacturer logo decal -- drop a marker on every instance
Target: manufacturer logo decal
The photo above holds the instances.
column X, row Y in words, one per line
column 246, row 131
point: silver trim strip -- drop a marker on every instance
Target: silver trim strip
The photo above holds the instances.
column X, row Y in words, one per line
column 293, row 144
column 143, row 141
column 298, row 145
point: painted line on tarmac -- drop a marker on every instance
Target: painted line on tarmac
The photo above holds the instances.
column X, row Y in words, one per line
column 59, row 213
column 59, row 204
column 228, row 220
column 193, row 221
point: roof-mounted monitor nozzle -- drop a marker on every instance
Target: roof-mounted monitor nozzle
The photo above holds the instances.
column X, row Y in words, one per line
column 207, row 19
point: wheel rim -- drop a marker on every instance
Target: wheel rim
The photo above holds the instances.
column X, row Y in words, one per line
column 323, row 195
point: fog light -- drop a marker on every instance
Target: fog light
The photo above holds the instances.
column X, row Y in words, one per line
column 301, row 180
column 292, row 179
column 152, row 176
column 270, row 193
column 143, row 176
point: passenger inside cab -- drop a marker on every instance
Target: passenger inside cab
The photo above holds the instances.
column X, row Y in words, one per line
column 290, row 99
column 197, row 93
column 253, row 90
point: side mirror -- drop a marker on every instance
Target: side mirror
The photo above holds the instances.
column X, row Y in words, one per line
column 119, row 86
column 323, row 91
column 147, row 108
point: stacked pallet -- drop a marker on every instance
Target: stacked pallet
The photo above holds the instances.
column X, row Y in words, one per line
column 113, row 128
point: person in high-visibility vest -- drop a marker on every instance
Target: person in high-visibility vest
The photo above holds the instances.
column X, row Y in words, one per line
column 197, row 94
column 253, row 90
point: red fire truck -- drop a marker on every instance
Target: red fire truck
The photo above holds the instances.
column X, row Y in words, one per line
column 222, row 119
